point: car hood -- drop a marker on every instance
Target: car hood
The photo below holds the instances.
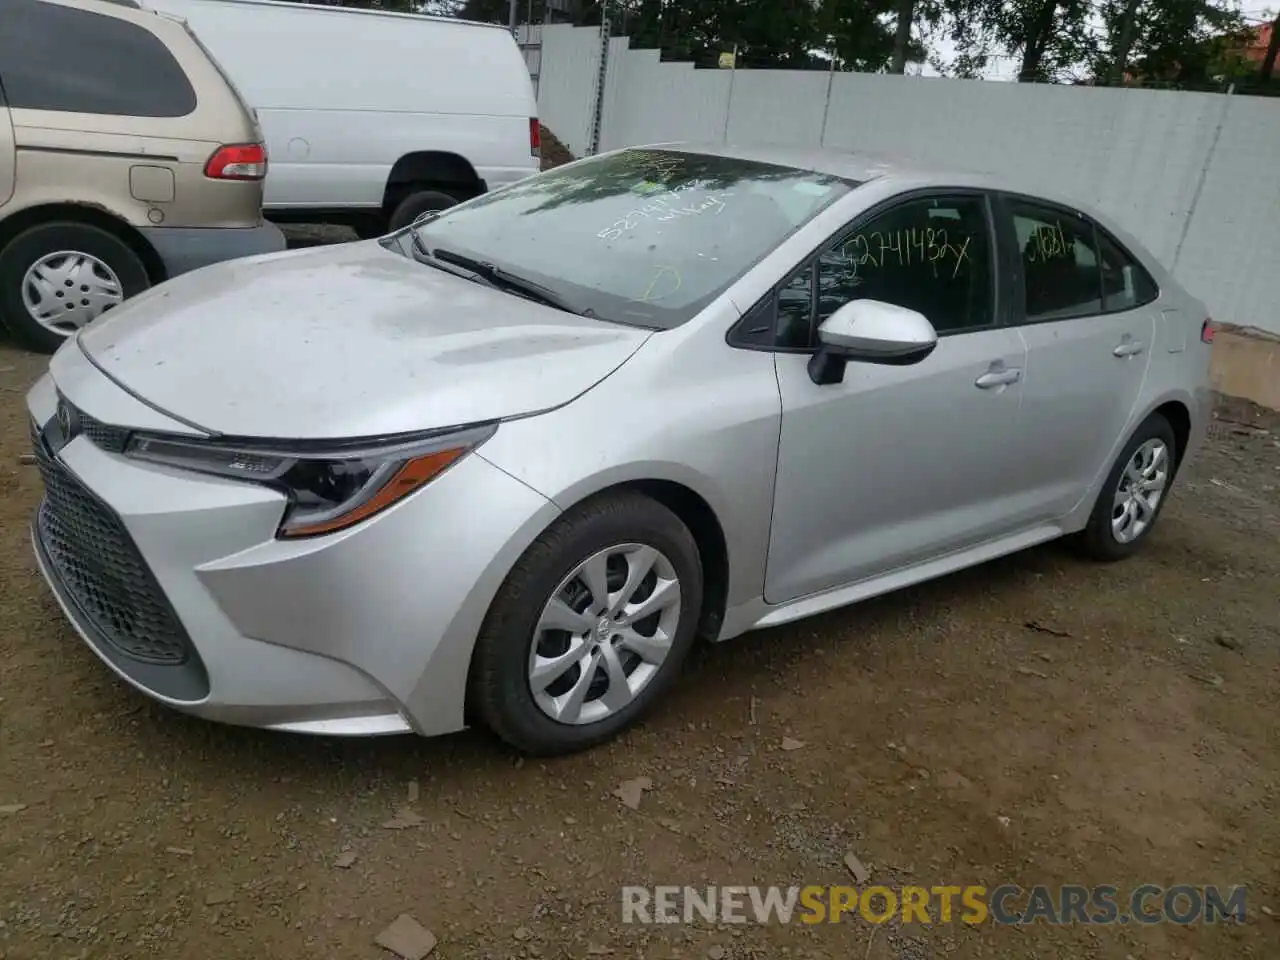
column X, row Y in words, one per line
column 347, row 341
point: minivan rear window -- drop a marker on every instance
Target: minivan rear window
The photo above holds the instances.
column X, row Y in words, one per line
column 74, row 61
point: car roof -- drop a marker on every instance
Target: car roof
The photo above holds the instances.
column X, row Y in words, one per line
column 860, row 166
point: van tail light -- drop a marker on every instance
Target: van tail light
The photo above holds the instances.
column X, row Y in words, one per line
column 535, row 137
column 1206, row 331
column 238, row 161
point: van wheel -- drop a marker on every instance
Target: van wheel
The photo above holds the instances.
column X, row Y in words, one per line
column 57, row 277
column 416, row 204
column 371, row 227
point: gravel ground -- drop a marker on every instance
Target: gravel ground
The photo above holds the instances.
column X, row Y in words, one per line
column 1036, row 720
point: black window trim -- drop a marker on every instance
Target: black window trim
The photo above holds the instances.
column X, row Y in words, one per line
column 998, row 276
column 1101, row 231
column 1017, row 313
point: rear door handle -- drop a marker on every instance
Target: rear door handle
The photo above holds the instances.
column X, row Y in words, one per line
column 999, row 378
column 1129, row 348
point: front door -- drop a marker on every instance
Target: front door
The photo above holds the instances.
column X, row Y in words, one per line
column 1087, row 317
column 896, row 463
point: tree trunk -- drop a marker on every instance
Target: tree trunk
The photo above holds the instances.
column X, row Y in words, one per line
column 1038, row 33
column 1128, row 27
column 902, row 38
column 1273, row 48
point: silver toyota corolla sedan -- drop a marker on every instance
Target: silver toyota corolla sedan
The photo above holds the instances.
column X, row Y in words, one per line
column 504, row 466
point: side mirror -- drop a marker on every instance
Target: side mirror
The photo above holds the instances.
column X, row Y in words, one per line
column 870, row 331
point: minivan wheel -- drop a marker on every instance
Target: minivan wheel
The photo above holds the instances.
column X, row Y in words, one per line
column 590, row 627
column 1134, row 493
column 416, row 204
column 57, row 277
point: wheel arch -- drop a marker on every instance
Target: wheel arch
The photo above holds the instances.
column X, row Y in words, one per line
column 430, row 168
column 92, row 215
column 1178, row 415
column 697, row 514
column 1175, row 407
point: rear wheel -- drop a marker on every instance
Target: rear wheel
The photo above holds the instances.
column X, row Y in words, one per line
column 418, row 203
column 57, row 277
column 1134, row 493
column 590, row 628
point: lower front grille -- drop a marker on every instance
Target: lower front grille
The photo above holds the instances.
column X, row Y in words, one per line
column 101, row 569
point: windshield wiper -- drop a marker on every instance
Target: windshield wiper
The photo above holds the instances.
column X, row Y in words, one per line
column 501, row 278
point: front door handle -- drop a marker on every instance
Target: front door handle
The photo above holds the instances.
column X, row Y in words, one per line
column 998, row 378
column 1128, row 348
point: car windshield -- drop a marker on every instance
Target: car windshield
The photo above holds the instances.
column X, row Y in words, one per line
column 644, row 237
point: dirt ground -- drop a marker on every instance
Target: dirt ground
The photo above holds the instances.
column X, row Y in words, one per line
column 1036, row 720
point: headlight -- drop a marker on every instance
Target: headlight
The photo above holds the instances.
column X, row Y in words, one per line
column 329, row 488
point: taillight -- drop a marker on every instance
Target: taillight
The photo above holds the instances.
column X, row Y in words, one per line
column 1206, row 332
column 238, row 161
column 535, row 137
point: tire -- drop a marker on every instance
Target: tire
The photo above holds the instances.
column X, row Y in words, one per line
column 1099, row 540
column 114, row 273
column 371, row 227
column 418, row 203
column 501, row 691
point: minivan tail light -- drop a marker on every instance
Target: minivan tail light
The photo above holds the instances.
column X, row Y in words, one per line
column 238, row 161
column 1206, row 331
column 535, row 137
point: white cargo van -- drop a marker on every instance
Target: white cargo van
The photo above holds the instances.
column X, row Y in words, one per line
column 372, row 118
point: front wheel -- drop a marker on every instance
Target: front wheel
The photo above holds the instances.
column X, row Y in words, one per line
column 590, row 628
column 1134, row 493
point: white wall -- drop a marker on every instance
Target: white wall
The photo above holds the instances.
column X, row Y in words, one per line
column 1196, row 169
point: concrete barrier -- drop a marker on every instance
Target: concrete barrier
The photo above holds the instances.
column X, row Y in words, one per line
column 1246, row 363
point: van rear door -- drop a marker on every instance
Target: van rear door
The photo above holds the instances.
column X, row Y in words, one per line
column 7, row 159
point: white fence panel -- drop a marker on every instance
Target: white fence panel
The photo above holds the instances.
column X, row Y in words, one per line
column 1231, row 256
column 777, row 107
column 568, row 65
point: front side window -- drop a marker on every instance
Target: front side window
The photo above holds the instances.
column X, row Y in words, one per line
column 931, row 255
column 68, row 60
column 644, row 237
column 1060, row 263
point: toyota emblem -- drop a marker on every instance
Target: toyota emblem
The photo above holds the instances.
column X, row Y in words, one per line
column 66, row 420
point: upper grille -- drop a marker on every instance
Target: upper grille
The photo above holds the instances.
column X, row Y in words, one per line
column 103, row 435
column 100, row 567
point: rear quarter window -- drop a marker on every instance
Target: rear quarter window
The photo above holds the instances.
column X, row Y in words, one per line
column 74, row 61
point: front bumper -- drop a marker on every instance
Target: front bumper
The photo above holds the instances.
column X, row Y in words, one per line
column 182, row 249
column 362, row 632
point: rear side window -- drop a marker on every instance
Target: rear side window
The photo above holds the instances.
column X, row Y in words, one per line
column 1060, row 263
column 73, row 61
column 1125, row 283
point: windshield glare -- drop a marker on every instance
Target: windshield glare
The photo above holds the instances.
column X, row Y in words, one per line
column 644, row 237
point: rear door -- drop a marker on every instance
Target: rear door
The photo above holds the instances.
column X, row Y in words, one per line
column 1089, row 326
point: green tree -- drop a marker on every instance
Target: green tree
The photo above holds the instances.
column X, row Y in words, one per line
column 1050, row 37
column 1185, row 42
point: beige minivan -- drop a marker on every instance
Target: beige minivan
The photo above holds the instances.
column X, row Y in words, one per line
column 126, row 157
